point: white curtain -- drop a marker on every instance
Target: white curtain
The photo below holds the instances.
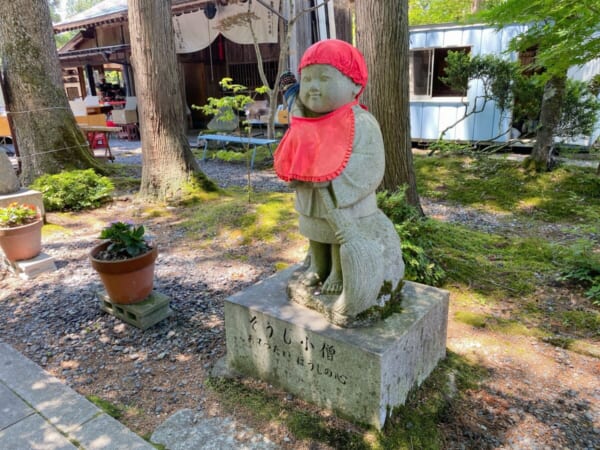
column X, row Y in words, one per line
column 194, row 31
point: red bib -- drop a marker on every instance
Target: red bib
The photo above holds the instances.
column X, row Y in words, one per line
column 316, row 149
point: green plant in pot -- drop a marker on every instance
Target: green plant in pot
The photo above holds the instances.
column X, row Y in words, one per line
column 125, row 262
column 20, row 231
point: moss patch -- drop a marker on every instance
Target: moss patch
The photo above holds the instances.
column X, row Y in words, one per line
column 51, row 229
column 232, row 216
column 109, row 408
column 414, row 425
column 470, row 318
column 587, row 321
column 492, row 265
column 268, row 407
column 500, row 185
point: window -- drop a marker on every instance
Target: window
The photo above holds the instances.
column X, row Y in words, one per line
column 425, row 69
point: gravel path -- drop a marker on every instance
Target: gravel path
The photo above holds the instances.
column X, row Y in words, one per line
column 537, row 397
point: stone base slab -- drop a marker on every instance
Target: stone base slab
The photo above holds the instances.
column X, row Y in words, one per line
column 358, row 372
column 26, row 196
column 31, row 268
column 141, row 315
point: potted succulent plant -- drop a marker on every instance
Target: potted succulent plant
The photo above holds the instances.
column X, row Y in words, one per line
column 125, row 262
column 20, row 231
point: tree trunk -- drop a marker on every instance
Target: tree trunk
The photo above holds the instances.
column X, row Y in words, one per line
column 542, row 157
column 168, row 162
column 44, row 127
column 382, row 36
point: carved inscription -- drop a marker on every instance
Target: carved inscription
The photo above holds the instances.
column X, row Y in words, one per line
column 305, row 352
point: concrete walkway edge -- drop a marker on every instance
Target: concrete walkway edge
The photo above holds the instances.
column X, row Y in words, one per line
column 39, row 411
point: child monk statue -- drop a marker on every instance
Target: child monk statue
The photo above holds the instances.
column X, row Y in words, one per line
column 333, row 156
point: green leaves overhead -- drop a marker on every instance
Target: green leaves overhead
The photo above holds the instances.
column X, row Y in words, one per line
column 565, row 32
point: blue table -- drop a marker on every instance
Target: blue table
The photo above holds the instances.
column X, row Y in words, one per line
column 238, row 140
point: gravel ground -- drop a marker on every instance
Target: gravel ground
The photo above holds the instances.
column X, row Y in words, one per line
column 537, row 396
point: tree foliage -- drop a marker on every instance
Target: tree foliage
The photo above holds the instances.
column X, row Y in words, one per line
column 505, row 83
column 425, row 12
column 227, row 107
column 496, row 74
column 564, row 32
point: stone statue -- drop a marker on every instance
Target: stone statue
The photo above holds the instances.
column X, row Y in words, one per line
column 9, row 182
column 333, row 156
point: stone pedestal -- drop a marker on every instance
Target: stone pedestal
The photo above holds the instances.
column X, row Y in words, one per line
column 358, row 372
column 30, row 268
column 26, row 196
column 141, row 315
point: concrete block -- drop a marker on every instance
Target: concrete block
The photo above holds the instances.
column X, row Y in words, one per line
column 33, row 433
column 31, row 268
column 359, row 372
column 26, row 196
column 141, row 315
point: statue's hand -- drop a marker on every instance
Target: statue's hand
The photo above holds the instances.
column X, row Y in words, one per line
column 344, row 236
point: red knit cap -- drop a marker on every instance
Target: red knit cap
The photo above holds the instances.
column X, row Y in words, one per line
column 339, row 54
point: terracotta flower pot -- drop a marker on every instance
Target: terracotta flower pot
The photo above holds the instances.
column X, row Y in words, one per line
column 24, row 242
column 127, row 281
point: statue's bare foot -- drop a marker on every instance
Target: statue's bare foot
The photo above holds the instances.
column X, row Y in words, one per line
column 310, row 278
column 333, row 285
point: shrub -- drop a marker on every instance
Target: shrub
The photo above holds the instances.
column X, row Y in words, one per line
column 409, row 224
column 583, row 268
column 73, row 190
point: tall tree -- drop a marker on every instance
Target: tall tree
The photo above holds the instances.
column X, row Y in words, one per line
column 382, row 36
column 43, row 124
column 565, row 34
column 168, row 162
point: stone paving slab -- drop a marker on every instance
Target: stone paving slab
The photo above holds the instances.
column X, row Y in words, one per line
column 63, row 407
column 12, row 408
column 187, row 429
column 104, row 432
column 33, row 433
column 38, row 411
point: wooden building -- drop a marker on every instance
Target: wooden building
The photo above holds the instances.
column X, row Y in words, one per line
column 207, row 51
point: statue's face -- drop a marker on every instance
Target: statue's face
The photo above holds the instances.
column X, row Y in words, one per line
column 323, row 88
